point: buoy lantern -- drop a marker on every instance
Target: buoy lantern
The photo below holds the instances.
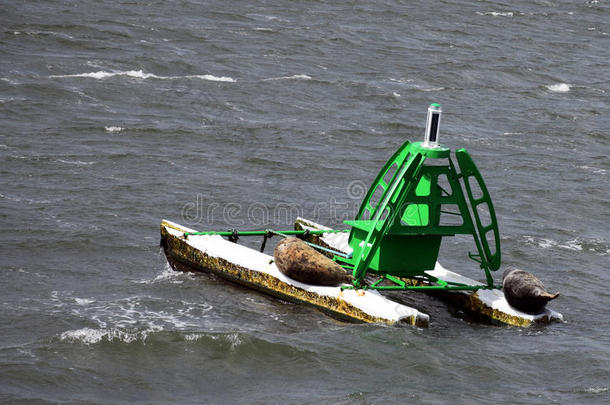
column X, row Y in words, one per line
column 432, row 126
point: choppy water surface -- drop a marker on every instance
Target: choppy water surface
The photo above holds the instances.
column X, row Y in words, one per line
column 217, row 114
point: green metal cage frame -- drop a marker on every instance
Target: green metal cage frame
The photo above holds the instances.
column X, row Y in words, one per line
column 397, row 231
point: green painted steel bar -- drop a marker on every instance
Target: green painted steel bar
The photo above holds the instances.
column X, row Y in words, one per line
column 285, row 234
column 265, row 232
column 313, row 245
column 393, row 199
column 401, row 285
column 395, row 280
column 395, row 160
column 490, row 257
column 421, row 287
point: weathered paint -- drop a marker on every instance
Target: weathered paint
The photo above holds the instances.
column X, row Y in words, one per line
column 256, row 270
column 485, row 305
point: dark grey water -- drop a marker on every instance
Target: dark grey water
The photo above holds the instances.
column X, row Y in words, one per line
column 116, row 114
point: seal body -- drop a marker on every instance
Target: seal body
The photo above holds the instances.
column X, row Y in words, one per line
column 299, row 261
column 525, row 292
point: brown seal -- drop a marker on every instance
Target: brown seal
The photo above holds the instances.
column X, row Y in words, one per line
column 299, row 261
column 525, row 292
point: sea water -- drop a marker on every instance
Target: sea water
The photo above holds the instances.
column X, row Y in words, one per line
column 246, row 114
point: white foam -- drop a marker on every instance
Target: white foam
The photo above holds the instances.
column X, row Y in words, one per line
column 9, row 81
column 541, row 242
column 559, row 87
column 595, row 170
column 396, row 94
column 113, row 129
column 92, row 336
column 212, row 78
column 401, row 80
column 192, row 337
column 293, row 77
column 139, row 74
column 84, row 301
column 596, row 390
column 86, row 335
column 167, row 275
column 27, row 200
column 234, row 340
column 103, row 74
column 75, row 162
column 264, row 17
column 496, row 13
column 120, row 319
column 432, row 89
column 93, row 64
column 574, row 244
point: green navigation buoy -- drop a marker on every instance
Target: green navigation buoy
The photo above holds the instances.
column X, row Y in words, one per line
column 415, row 200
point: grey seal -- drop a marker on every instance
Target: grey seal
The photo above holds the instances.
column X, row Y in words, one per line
column 299, row 261
column 525, row 292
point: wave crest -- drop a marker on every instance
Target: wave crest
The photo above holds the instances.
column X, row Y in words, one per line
column 91, row 336
column 559, row 87
column 139, row 74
